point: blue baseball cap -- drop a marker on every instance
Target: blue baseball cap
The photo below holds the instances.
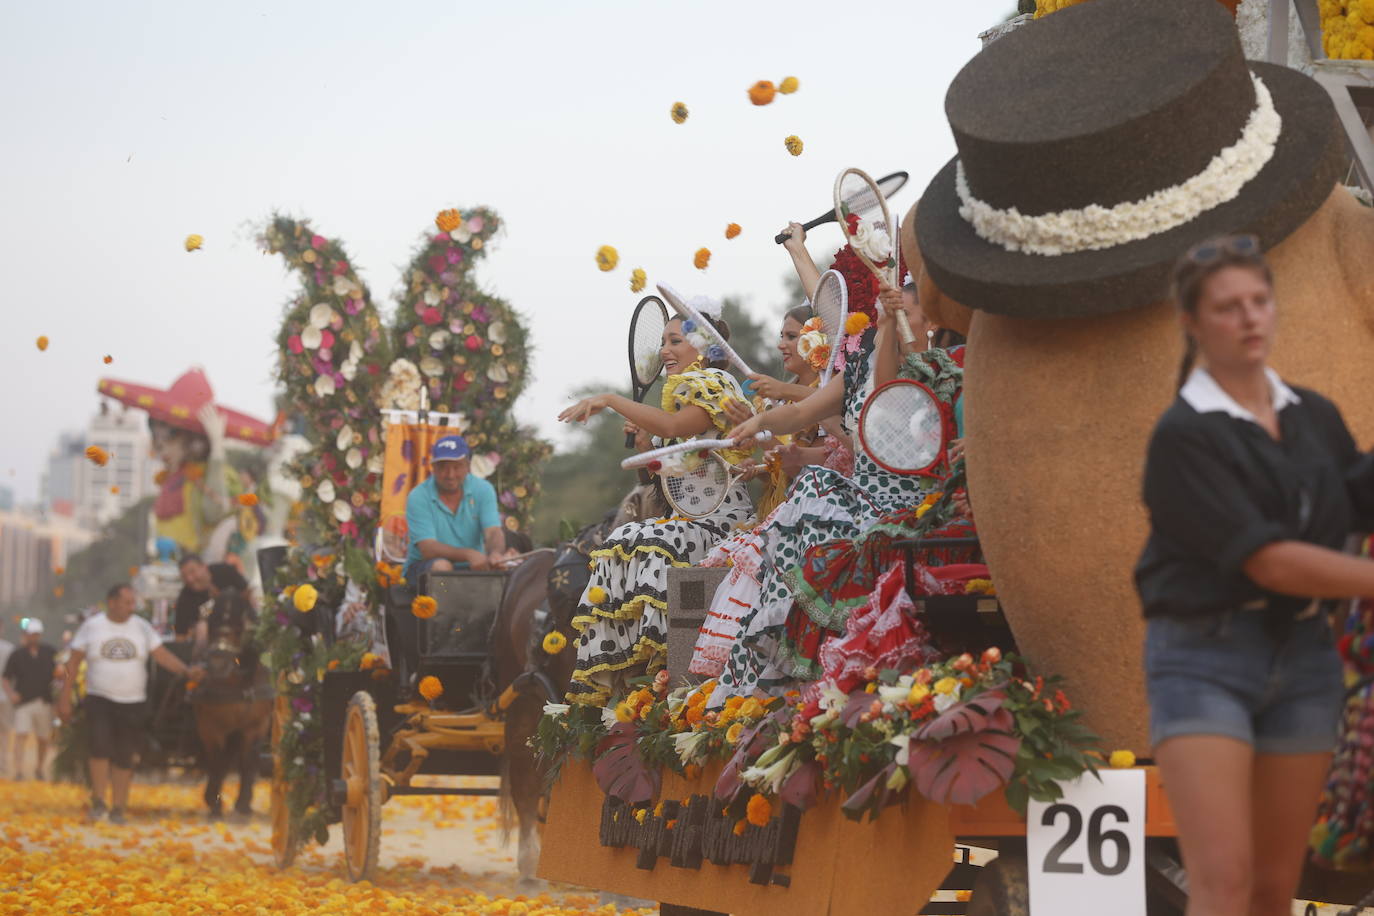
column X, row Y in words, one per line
column 450, row 448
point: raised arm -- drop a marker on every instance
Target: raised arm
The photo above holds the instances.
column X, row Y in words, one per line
column 807, row 271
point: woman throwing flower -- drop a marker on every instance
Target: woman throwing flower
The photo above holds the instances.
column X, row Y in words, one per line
column 621, row 622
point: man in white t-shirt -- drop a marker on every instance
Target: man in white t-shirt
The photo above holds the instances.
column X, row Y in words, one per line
column 116, row 646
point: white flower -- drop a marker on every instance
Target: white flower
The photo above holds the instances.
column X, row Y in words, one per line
column 376, row 464
column 324, row 386
column 944, row 701
column 311, row 338
column 349, row 370
column 342, row 510
column 832, row 698
column 690, row 746
column 432, row 296
column 345, row 438
column 497, row 373
column 891, row 695
column 461, row 235
column 496, row 332
column 321, row 316
column 355, row 352
column 608, row 716
column 903, row 744
column 342, row 285
column 772, row 776
column 871, row 242
column 354, row 458
column 557, row 709
column 431, row 367
column 482, row 466
column 439, row 339
column 325, row 490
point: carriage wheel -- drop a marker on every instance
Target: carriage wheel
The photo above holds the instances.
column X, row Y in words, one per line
column 1002, row 888
column 284, row 839
column 362, row 777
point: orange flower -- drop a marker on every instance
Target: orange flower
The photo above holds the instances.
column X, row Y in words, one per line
column 856, row 323
column 59, row 570
column 424, row 607
column 160, row 477
column 759, row 811
column 702, row 258
column 448, row 220
column 58, row 590
column 732, row 230
column 368, row 662
column 741, row 825
column 431, row 688
column 789, row 85
column 42, row 342
column 97, row 456
column 762, row 92
column 114, row 490
column 321, row 560
column 133, row 572
column 248, row 499
column 108, row 359
column 333, row 664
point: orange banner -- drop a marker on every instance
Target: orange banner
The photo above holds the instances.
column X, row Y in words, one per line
column 406, row 466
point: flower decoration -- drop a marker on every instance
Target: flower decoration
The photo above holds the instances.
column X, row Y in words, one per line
column 813, row 345
column 193, row 242
column 42, row 342
column 247, row 499
column 596, row 596
column 448, row 220
column 789, row 85
column 555, row 642
column 702, row 259
column 1045, row 7
column 762, row 92
column 857, row 323
column 1347, row 29
column 638, row 280
column 759, row 810
column 424, row 607
column 304, row 598
column 732, row 230
column 431, row 688
column 1121, row 760
column 97, row 456
column 606, row 258
column 678, row 113
column 793, row 144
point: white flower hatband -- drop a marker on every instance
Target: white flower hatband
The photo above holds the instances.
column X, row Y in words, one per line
column 1095, row 227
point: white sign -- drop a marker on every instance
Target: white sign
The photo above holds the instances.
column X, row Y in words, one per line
column 1087, row 851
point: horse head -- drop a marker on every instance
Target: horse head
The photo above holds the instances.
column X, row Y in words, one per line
column 227, row 647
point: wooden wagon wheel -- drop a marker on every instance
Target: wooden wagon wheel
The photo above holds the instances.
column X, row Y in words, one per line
column 362, row 777
column 285, row 842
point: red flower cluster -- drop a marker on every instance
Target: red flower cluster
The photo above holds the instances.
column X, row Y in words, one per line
column 861, row 284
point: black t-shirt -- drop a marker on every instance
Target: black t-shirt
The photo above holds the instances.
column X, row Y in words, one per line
column 187, row 614
column 31, row 674
column 1218, row 488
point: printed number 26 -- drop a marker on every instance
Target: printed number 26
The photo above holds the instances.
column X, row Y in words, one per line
column 1097, row 838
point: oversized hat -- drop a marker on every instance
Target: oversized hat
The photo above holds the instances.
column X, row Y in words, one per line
column 177, row 406
column 1099, row 144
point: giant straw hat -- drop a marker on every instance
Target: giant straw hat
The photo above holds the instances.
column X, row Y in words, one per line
column 1099, row 144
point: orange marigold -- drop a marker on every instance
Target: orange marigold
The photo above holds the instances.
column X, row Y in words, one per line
column 424, row 607
column 760, row 811
column 856, row 323
column 97, row 456
column 42, row 343
column 448, row 220
column 431, row 688
column 702, row 258
column 108, row 359
column 762, row 92
column 115, row 490
column 741, row 825
column 732, row 230
column 248, row 499
column 369, row 661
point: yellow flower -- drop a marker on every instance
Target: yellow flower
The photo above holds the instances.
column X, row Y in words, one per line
column 732, row 230
column 97, row 456
column 733, row 732
column 678, row 112
column 793, row 144
column 640, row 814
column 624, row 712
column 979, row 587
column 42, row 342
column 1121, row 760
column 368, row 661
column 946, row 685
column 789, row 85
column 606, row 258
column 304, row 598
column 752, row 709
column 448, row 220
column 702, row 258
column 918, row 694
column 856, row 323
column 193, row 242
column 596, row 595
column 431, row 688
column 759, row 811
column 555, row 642
column 423, row 607
column 638, row 279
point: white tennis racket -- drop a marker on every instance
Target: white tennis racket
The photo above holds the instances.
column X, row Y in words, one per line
column 831, row 305
column 858, row 195
column 691, row 313
column 695, row 479
column 902, row 428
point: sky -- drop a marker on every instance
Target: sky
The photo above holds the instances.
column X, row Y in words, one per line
column 128, row 126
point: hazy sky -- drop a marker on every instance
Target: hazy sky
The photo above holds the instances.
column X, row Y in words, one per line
column 129, row 125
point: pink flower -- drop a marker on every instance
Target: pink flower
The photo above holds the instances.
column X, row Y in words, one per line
column 475, row 224
column 456, row 326
column 455, row 256
column 431, row 315
column 410, row 342
column 326, row 338
column 340, row 267
column 473, row 342
column 327, row 355
column 293, row 343
column 318, row 241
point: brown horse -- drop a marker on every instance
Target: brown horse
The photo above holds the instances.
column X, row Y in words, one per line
column 233, row 704
column 544, row 678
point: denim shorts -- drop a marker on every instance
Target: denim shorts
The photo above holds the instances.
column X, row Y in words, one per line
column 1224, row 674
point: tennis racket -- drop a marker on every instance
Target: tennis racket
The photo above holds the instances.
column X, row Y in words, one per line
column 861, row 204
column 689, row 311
column 646, row 340
column 902, row 428
column 694, row 487
column 831, row 306
column 854, row 186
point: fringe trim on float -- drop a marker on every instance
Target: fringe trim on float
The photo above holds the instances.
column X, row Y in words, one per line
column 618, row 551
column 645, row 650
column 628, row 610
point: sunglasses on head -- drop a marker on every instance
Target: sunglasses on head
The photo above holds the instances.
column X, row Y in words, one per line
column 1215, row 249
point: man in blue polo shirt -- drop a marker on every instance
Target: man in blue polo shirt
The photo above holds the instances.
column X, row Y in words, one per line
column 452, row 517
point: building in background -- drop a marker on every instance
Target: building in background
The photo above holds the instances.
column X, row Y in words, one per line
column 6, row 498
column 32, row 547
column 92, row 495
column 57, row 489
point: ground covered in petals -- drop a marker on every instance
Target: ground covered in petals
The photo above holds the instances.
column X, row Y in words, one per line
column 440, row 854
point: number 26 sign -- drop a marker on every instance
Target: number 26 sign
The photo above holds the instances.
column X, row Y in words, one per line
column 1086, row 850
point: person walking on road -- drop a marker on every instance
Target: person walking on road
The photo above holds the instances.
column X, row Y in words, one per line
column 28, row 677
column 6, row 710
column 116, row 646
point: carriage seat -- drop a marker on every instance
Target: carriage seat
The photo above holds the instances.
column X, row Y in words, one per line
column 453, row 644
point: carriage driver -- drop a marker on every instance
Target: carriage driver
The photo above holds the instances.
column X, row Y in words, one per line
column 452, row 517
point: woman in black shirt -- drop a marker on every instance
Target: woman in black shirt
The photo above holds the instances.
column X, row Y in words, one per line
column 1253, row 488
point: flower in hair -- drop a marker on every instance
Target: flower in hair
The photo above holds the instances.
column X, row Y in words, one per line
column 702, row 258
column 688, row 326
column 606, row 258
column 714, row 353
